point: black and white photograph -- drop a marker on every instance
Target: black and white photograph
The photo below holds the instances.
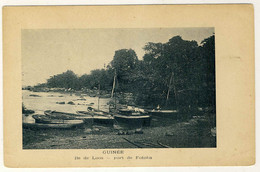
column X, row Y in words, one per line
column 107, row 88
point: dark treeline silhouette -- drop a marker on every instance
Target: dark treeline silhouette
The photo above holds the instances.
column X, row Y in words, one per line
column 175, row 74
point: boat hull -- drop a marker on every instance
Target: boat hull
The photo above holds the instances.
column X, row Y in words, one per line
column 69, row 116
column 164, row 113
column 99, row 117
column 133, row 121
column 98, row 120
column 77, row 124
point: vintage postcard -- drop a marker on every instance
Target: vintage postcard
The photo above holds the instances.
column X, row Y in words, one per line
column 125, row 86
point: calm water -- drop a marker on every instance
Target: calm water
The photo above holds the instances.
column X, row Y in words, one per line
column 47, row 101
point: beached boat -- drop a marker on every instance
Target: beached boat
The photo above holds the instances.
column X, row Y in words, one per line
column 163, row 113
column 132, row 118
column 52, row 120
column 68, row 116
column 128, row 117
column 66, row 124
column 100, row 117
column 167, row 113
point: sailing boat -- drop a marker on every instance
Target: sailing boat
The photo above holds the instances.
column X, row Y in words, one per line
column 99, row 116
column 166, row 112
column 132, row 118
column 129, row 117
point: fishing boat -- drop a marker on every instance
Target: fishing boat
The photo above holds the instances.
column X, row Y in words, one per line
column 128, row 117
column 163, row 113
column 48, row 119
column 68, row 116
column 100, row 117
column 132, row 118
column 52, row 120
column 66, row 124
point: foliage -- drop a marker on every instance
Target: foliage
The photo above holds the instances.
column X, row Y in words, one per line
column 124, row 64
column 66, row 80
column 175, row 74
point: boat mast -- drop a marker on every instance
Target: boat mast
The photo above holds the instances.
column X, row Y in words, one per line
column 114, row 84
column 98, row 94
column 169, row 88
column 115, row 99
column 113, row 89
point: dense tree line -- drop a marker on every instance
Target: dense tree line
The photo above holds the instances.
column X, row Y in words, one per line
column 175, row 74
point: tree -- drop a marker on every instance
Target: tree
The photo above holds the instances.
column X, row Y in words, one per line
column 176, row 74
column 124, row 63
column 67, row 80
column 168, row 67
column 207, row 59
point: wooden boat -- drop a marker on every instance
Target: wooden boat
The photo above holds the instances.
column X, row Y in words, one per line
column 132, row 118
column 45, row 119
column 163, row 113
column 166, row 113
column 128, row 118
column 99, row 116
column 68, row 116
column 67, row 124
column 52, row 120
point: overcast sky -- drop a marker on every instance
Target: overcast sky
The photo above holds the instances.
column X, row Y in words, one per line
column 52, row 51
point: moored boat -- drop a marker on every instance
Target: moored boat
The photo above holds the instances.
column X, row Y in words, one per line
column 52, row 120
column 132, row 118
column 99, row 117
column 163, row 113
column 67, row 124
column 68, row 116
column 128, row 117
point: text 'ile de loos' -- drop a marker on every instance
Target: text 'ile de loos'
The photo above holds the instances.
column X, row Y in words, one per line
column 111, row 152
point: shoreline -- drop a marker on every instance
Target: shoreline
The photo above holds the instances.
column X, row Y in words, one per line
column 171, row 134
column 163, row 132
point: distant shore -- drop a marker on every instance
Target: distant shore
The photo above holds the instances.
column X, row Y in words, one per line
column 122, row 98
